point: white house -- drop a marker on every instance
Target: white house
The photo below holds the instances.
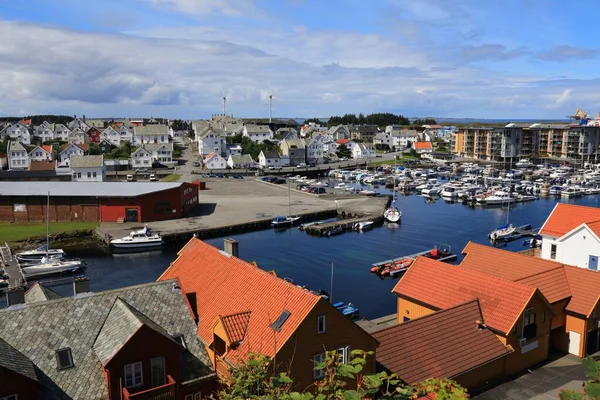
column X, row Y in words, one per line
column 210, row 142
column 406, row 138
column 383, row 140
column 215, row 161
column 141, row 158
column 360, row 150
column 233, row 149
column 78, row 123
column 41, row 153
column 161, row 152
column 126, row 134
column 258, row 133
column 77, row 136
column 423, row 147
column 44, row 132
column 571, row 235
column 18, row 159
column 314, row 148
column 339, row 132
column 18, row 132
column 240, row 161
column 270, row 158
column 111, row 135
column 151, row 134
column 87, row 168
column 69, row 150
column 61, row 132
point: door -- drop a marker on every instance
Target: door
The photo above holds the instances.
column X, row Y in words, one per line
column 131, row 215
column 593, row 263
column 574, row 342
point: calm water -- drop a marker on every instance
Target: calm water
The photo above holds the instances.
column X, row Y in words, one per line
column 308, row 259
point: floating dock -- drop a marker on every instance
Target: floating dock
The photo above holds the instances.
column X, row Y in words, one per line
column 520, row 232
column 339, row 226
column 447, row 258
column 11, row 268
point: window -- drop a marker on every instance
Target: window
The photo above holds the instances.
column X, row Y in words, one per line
column 89, row 174
column 94, row 174
column 64, row 358
column 529, row 325
column 344, row 353
column 198, row 396
column 321, row 324
column 157, row 366
column 318, row 373
column 543, row 316
column 553, row 252
column 133, row 375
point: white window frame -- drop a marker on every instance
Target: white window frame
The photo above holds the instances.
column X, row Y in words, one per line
column 345, row 353
column 132, row 367
column 321, row 320
column 318, row 373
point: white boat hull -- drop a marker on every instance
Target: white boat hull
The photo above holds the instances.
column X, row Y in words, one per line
column 392, row 215
column 52, row 268
column 497, row 202
column 120, row 244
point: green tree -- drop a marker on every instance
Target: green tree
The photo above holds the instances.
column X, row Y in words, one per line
column 343, row 151
column 94, row 149
column 591, row 387
column 424, row 121
column 255, row 379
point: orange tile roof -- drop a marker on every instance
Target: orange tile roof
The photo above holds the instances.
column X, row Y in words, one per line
column 442, row 285
column 546, row 275
column 585, row 285
column 565, row 217
column 236, row 325
column 47, row 148
column 343, row 141
column 226, row 285
column 423, row 145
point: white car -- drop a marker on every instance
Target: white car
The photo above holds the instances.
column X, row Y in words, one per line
column 301, row 165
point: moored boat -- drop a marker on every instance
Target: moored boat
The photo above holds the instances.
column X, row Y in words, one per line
column 363, row 226
column 39, row 253
column 143, row 238
column 52, row 268
column 348, row 310
column 281, row 221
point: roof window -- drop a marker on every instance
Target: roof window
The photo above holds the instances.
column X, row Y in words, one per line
column 276, row 326
column 64, row 358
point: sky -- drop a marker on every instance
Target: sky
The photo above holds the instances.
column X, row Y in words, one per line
column 178, row 58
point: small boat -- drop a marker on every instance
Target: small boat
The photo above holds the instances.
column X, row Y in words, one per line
column 502, row 232
column 142, row 238
column 498, row 198
column 39, row 253
column 367, row 192
column 363, row 226
column 524, row 163
column 394, row 268
column 334, row 231
column 526, row 197
column 281, row 221
column 392, row 214
column 50, row 267
column 37, row 260
column 348, row 310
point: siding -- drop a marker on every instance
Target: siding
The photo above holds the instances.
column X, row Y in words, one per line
column 411, row 309
column 33, row 209
column 482, row 376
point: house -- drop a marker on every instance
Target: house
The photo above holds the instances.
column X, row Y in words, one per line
column 406, row 138
column 285, row 133
column 233, row 149
column 17, row 132
column 17, row 155
column 383, row 141
column 151, row 134
column 102, row 345
column 294, row 149
column 240, row 161
column 44, row 132
column 162, row 153
column 210, row 142
column 364, row 133
column 516, row 312
column 94, row 135
column 87, row 168
column 61, row 132
column 71, row 149
column 269, row 158
column 78, row 123
column 348, row 143
column 258, row 133
column 141, row 158
column 571, row 235
column 111, row 135
column 315, row 147
column 126, row 134
column 452, row 343
column 214, row 161
column 77, row 136
column 572, row 292
column 339, row 132
column 95, row 123
column 41, row 153
column 360, row 150
column 423, row 147
column 105, row 146
column 252, row 310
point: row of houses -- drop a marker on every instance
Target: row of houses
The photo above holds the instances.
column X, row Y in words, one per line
column 493, row 316
column 79, row 132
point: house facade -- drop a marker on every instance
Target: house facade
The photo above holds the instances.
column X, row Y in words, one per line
column 41, row 153
column 270, row 158
column 361, row 150
column 210, row 142
column 87, row 168
column 141, row 158
column 71, row 149
column 257, row 133
column 18, row 132
column 61, row 132
column 240, row 161
column 364, row 133
column 77, row 136
column 44, row 132
column 214, row 161
column 124, row 348
column 339, row 132
column 295, row 150
column 111, row 135
column 161, row 153
column 255, row 320
column 18, row 158
column 423, row 147
column 94, row 135
column 150, row 134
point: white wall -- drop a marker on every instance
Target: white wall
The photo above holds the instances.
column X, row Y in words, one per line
column 69, row 151
column 574, row 249
column 100, row 174
column 19, row 160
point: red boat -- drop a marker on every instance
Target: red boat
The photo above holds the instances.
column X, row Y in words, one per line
column 393, row 268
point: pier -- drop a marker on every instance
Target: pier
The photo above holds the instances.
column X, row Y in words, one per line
column 378, row 324
column 11, row 268
column 341, row 225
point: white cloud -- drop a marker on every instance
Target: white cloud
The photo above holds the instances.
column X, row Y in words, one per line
column 202, row 8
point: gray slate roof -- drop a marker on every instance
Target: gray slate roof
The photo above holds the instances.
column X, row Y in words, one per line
column 251, row 128
column 271, row 153
column 16, row 146
column 38, row 330
column 151, row 130
column 241, row 159
column 295, row 143
column 13, row 360
column 69, row 189
column 39, row 292
column 78, row 161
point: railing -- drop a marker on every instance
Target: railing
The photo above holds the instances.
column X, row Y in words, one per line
column 164, row 392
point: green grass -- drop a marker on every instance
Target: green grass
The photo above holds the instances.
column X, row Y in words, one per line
column 391, row 162
column 171, row 178
column 14, row 232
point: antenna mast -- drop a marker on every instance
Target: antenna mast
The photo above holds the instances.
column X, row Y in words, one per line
column 224, row 105
column 270, row 107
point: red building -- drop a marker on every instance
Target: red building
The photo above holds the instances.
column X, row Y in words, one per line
column 94, row 135
column 96, row 201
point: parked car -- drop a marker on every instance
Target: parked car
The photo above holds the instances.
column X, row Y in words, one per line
column 141, row 170
column 153, row 178
column 301, row 187
column 279, row 181
column 344, row 159
column 130, row 178
column 274, row 168
column 301, row 165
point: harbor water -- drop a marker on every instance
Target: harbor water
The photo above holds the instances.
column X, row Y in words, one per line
column 308, row 259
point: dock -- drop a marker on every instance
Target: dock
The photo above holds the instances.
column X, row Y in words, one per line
column 11, row 268
column 520, row 232
column 340, row 225
column 377, row 324
column 451, row 257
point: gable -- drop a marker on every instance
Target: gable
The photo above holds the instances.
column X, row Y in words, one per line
column 565, row 217
column 587, row 227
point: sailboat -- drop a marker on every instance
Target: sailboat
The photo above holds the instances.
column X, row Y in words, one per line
column 503, row 231
column 393, row 214
column 281, row 221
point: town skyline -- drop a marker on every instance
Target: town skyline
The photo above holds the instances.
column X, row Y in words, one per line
column 178, row 58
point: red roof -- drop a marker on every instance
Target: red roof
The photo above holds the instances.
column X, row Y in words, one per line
column 47, row 148
column 566, row 217
column 26, row 122
column 343, row 141
column 423, row 145
column 441, row 286
column 444, row 344
column 236, row 325
column 225, row 286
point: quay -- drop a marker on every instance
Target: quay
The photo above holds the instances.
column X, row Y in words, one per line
column 378, row 324
column 343, row 225
column 11, row 268
column 444, row 249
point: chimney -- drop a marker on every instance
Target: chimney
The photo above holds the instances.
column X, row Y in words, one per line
column 81, row 285
column 231, row 246
column 83, row 117
column 15, row 296
column 480, row 325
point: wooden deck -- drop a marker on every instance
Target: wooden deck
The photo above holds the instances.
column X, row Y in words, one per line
column 346, row 224
column 11, row 268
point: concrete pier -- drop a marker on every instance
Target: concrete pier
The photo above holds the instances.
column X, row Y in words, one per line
column 11, row 268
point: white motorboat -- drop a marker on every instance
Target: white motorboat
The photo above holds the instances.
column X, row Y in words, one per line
column 39, row 253
column 367, row 192
column 498, row 198
column 570, row 192
column 281, row 221
column 449, row 192
column 526, row 197
column 524, row 163
column 143, row 238
column 363, row 226
column 555, row 190
column 52, row 267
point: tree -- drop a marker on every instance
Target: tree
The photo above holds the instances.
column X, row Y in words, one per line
column 255, row 379
column 343, row 151
column 315, row 120
column 591, row 387
column 424, row 121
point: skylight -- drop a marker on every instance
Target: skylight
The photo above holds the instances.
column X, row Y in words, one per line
column 276, row 326
column 64, row 358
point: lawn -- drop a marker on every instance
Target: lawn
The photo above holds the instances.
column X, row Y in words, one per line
column 13, row 232
column 171, row 178
column 391, row 162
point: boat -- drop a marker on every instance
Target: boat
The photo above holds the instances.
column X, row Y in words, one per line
column 363, row 226
column 434, row 190
column 524, row 163
column 502, row 232
column 449, row 193
column 143, row 238
column 526, row 197
column 35, row 259
column 39, row 253
column 367, row 192
column 334, row 231
column 555, row 190
column 281, row 221
column 348, row 310
column 392, row 214
column 498, row 198
column 393, row 268
column 570, row 192
column 50, row 267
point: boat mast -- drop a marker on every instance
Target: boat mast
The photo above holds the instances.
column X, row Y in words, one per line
column 331, row 286
column 48, row 225
column 289, row 199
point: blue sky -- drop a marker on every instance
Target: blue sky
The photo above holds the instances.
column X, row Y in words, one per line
column 177, row 58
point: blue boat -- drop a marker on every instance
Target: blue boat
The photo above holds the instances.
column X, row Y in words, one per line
column 280, row 221
column 348, row 310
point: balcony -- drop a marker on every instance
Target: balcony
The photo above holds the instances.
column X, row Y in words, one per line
column 164, row 392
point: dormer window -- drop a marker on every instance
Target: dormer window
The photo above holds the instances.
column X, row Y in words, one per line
column 64, row 359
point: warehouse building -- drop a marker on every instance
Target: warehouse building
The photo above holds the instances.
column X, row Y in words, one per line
column 96, row 201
